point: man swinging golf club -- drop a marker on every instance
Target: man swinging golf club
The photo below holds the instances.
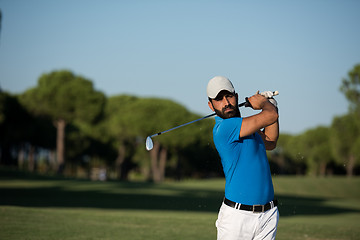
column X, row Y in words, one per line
column 249, row 210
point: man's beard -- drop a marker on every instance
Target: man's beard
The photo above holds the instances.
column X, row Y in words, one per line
column 234, row 112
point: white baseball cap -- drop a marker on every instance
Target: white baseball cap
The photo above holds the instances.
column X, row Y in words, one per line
column 218, row 84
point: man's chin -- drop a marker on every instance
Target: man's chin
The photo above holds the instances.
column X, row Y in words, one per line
column 227, row 114
column 230, row 114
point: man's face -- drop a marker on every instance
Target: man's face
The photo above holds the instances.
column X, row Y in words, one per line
column 225, row 105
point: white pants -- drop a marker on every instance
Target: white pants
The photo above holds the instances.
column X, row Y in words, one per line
column 234, row 224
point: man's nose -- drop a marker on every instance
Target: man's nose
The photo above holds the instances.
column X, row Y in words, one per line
column 226, row 100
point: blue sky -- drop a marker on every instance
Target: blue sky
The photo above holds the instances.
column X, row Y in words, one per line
column 170, row 49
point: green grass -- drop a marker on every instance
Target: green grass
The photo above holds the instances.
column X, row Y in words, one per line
column 33, row 207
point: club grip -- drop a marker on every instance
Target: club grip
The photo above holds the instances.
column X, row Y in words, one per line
column 248, row 104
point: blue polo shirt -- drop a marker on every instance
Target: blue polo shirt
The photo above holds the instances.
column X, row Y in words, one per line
column 245, row 164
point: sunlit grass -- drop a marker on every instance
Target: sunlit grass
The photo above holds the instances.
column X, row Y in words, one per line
column 46, row 208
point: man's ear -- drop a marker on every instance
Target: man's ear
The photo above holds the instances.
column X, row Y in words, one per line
column 211, row 106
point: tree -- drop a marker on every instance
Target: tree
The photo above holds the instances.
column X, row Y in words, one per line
column 351, row 89
column 120, row 125
column 345, row 141
column 317, row 150
column 64, row 97
column 346, row 129
column 14, row 126
column 286, row 158
column 154, row 115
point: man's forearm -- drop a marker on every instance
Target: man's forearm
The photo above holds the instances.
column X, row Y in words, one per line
column 271, row 135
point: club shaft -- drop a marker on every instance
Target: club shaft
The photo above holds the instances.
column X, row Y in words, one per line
column 182, row 125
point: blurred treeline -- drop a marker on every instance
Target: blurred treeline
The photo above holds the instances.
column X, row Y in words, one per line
column 65, row 126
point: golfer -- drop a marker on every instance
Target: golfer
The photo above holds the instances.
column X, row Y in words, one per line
column 249, row 210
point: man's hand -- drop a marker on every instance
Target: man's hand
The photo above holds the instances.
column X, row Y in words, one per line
column 257, row 101
column 270, row 96
column 266, row 119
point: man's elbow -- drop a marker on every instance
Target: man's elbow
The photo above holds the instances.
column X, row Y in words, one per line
column 271, row 117
column 270, row 145
column 274, row 118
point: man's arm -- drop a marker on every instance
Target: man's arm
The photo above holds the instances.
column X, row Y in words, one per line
column 270, row 135
column 267, row 119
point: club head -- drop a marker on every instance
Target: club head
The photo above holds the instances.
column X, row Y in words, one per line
column 149, row 143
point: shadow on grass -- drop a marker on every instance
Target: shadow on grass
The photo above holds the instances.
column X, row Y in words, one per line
column 58, row 197
column 143, row 196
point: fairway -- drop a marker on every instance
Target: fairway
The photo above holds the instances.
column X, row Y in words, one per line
column 34, row 207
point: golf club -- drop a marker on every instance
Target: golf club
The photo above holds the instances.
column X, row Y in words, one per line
column 149, row 143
